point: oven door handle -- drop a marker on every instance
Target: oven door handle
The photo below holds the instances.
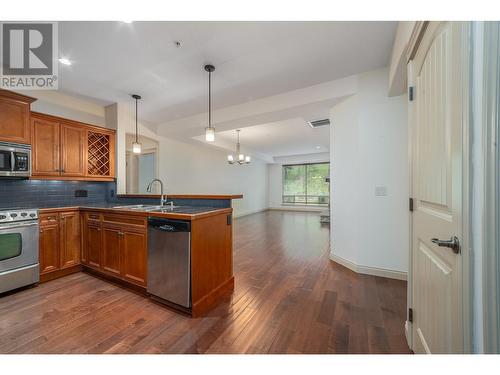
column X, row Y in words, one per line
column 18, row 225
column 12, row 161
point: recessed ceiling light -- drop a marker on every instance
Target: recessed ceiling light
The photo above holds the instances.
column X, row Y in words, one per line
column 64, row 61
column 127, row 21
column 318, row 147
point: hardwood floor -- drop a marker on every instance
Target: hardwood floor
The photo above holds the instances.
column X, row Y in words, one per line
column 289, row 298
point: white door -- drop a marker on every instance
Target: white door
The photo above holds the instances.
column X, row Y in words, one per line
column 438, row 76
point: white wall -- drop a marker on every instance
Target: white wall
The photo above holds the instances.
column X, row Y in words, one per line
column 368, row 150
column 276, row 180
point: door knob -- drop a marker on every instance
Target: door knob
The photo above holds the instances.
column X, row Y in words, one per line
column 453, row 243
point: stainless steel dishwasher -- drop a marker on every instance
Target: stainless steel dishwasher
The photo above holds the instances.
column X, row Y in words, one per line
column 169, row 260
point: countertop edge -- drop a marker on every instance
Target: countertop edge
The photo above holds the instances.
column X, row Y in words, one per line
column 172, row 215
column 182, row 196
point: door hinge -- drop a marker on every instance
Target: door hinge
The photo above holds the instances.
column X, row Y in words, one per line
column 410, row 315
column 410, row 205
column 411, row 93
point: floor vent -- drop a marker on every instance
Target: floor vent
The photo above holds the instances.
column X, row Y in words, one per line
column 319, row 123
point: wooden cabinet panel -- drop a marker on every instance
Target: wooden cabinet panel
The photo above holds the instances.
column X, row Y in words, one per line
column 70, row 238
column 45, row 147
column 93, row 245
column 111, row 249
column 49, row 248
column 122, row 245
column 15, row 117
column 72, row 150
column 134, row 257
column 100, row 153
column 84, row 255
column 211, row 255
column 64, row 149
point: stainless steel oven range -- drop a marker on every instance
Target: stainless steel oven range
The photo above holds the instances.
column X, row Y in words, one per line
column 18, row 249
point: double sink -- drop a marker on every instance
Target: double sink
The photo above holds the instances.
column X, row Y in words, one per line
column 166, row 208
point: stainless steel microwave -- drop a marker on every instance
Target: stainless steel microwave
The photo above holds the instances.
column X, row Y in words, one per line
column 15, row 160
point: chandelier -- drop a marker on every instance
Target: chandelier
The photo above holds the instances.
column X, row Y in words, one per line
column 240, row 158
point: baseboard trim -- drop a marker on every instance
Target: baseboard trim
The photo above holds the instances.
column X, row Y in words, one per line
column 298, row 209
column 366, row 270
column 250, row 212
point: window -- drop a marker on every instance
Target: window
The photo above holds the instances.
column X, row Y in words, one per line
column 306, row 184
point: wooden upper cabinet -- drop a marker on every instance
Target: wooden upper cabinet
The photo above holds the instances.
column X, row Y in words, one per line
column 72, row 150
column 100, row 153
column 66, row 149
column 15, row 117
column 46, row 147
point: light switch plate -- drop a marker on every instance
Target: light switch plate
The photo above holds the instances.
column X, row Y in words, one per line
column 380, row 191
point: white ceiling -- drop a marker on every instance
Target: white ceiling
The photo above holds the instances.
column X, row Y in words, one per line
column 252, row 59
column 284, row 138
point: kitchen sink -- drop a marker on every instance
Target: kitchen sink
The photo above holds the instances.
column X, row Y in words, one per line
column 166, row 208
column 145, row 207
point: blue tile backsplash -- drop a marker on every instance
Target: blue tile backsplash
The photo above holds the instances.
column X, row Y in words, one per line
column 46, row 193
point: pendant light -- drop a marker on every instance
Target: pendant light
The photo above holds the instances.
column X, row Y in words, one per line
column 210, row 130
column 240, row 158
column 136, row 146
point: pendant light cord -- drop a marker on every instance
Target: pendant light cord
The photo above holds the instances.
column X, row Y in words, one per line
column 209, row 99
column 136, row 121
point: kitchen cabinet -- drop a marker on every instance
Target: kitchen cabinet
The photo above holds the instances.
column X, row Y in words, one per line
column 69, row 150
column 59, row 241
column 72, row 150
column 133, row 249
column 15, row 117
column 70, row 238
column 111, row 238
column 45, row 148
column 93, row 245
column 49, row 247
column 116, row 245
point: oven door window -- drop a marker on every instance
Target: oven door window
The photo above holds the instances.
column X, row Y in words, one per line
column 11, row 245
column 5, row 161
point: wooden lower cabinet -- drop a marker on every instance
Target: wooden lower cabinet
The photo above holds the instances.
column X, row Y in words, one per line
column 49, row 247
column 134, row 257
column 93, row 245
column 59, row 241
column 116, row 245
column 70, row 238
column 111, row 238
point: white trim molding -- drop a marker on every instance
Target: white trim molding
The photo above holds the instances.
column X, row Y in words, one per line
column 299, row 208
column 367, row 270
column 490, row 127
column 251, row 212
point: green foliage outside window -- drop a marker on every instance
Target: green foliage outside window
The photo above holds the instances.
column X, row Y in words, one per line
column 306, row 184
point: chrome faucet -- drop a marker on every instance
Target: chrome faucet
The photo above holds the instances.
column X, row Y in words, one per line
column 163, row 200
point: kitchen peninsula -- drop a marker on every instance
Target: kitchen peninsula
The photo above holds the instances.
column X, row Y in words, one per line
column 112, row 241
